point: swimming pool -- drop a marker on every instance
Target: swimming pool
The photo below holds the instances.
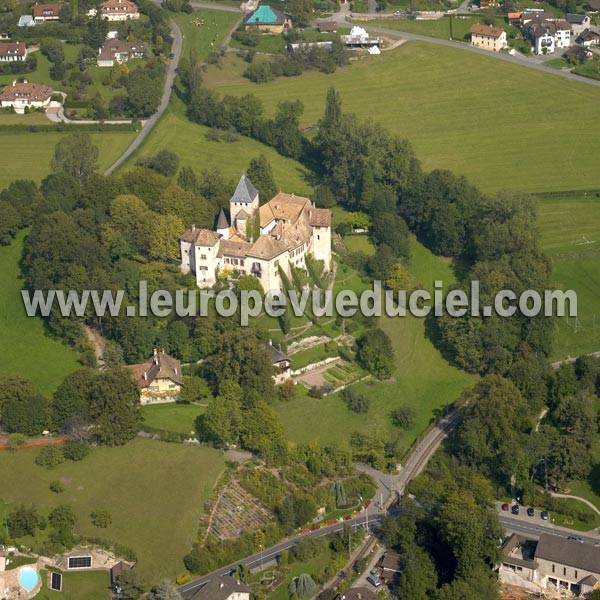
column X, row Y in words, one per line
column 28, row 578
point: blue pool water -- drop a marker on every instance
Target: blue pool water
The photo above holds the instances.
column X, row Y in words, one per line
column 28, row 578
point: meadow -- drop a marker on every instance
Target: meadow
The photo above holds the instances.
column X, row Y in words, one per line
column 25, row 345
column 570, row 229
column 422, row 379
column 179, row 418
column 77, row 586
column 178, row 479
column 438, row 98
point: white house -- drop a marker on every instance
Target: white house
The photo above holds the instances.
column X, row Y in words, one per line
column 13, row 51
column 46, row 12
column 588, row 38
column 547, row 35
column 288, row 227
column 119, row 10
column 223, row 588
column 119, row 51
column 25, row 95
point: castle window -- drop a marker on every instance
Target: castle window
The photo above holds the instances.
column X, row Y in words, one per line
column 203, row 257
column 318, row 237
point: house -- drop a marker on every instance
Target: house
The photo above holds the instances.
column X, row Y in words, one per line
column 20, row 96
column 578, row 54
column 159, row 378
column 359, row 38
column 223, row 588
column 359, row 593
column 119, row 51
column 281, row 364
column 390, row 566
column 119, row 10
column 593, row 6
column 547, row 34
column 46, row 12
column 552, row 563
column 267, row 19
column 26, row 21
column 13, row 51
column 488, row 37
column 589, row 38
column 579, row 23
column 327, row 26
column 289, row 227
column 514, row 18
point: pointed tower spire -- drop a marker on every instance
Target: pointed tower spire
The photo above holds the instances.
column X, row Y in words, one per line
column 222, row 224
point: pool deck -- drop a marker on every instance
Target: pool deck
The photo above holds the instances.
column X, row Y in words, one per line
column 11, row 588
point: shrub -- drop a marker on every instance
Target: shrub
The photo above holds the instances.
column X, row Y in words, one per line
column 49, row 457
column 404, row 416
column 356, row 402
column 57, row 487
column 101, row 518
column 75, row 450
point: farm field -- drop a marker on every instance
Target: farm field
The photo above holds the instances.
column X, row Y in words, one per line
column 188, row 140
column 177, row 478
column 423, row 379
column 566, row 226
column 451, row 128
column 24, row 345
column 179, row 418
column 31, row 153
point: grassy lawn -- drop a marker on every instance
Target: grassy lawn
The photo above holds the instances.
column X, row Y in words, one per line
column 24, row 344
column 359, row 243
column 78, row 586
column 312, row 355
column 565, row 225
column 179, row 418
column 178, row 479
column 449, row 128
column 35, row 118
column 28, row 155
column 176, row 133
column 422, row 378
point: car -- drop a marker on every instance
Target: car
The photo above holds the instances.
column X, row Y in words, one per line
column 374, row 580
column 575, row 538
column 530, row 512
column 505, row 506
column 373, row 572
column 544, row 514
column 515, row 509
column 171, row 55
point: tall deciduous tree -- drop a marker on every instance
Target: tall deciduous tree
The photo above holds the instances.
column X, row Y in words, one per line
column 76, row 156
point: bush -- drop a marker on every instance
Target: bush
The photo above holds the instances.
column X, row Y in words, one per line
column 404, row 416
column 356, row 402
column 75, row 450
column 101, row 518
column 49, row 457
column 57, row 487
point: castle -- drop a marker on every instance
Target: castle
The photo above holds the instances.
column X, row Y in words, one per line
column 260, row 240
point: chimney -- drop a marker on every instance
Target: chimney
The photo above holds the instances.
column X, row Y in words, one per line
column 193, row 227
column 155, row 352
column 270, row 342
column 14, row 82
column 145, row 376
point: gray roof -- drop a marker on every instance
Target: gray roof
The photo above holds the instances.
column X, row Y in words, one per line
column 275, row 354
column 568, row 552
column 222, row 220
column 575, row 18
column 220, row 589
column 245, row 191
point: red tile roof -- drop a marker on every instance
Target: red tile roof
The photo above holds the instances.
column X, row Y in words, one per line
column 46, row 10
column 33, row 92
column 488, row 30
column 12, row 49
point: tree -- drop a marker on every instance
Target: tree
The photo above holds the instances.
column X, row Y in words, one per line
column 115, row 407
column 133, row 220
column 76, row 156
column 63, row 519
column 130, row 585
column 391, row 230
column 219, row 425
column 164, row 162
column 339, row 491
column 404, row 416
column 303, row 586
column 23, row 521
column 165, row 231
column 28, row 416
column 260, row 174
column 143, row 94
column 376, row 354
column 356, row 402
column 14, row 387
column 49, row 457
column 15, row 440
column 164, row 591
column 195, row 389
column 72, row 397
column 75, row 450
column 101, row 518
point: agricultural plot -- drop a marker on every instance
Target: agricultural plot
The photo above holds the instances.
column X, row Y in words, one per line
column 456, row 128
column 342, row 373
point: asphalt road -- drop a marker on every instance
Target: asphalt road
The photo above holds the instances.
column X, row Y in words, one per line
column 535, row 527
column 164, row 102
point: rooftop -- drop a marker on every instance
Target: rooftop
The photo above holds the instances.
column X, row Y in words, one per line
column 568, row 552
column 46, row 10
column 244, row 192
column 265, row 15
column 12, row 49
column 201, row 237
column 220, row 589
column 158, row 366
column 33, row 92
column 488, row 30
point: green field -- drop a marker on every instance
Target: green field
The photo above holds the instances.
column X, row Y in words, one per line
column 24, row 344
column 359, row 243
column 179, row 418
column 439, row 98
column 422, row 378
column 154, row 491
column 78, row 586
column 28, row 155
column 188, row 140
column 566, row 225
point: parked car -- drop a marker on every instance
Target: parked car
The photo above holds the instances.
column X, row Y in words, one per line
column 575, row 538
column 530, row 512
column 515, row 509
column 544, row 514
column 374, row 580
column 505, row 506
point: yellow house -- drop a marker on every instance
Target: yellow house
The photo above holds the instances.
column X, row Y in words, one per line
column 159, row 378
column 488, row 37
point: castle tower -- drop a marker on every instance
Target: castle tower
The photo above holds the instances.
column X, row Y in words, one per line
column 223, row 225
column 244, row 198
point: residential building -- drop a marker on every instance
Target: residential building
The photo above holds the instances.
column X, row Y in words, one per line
column 119, row 51
column 588, row 38
column 281, row 364
column 159, row 378
column 223, row 588
column 552, row 563
column 119, row 10
column 514, row 18
column 579, row 23
column 359, row 38
column 546, row 35
column 20, row 96
column 46, row 12
column 13, row 51
column 390, row 566
column 327, row 26
column 267, row 19
column 578, row 54
column 358, row 593
column 593, row 6
column 289, row 227
column 26, row 21
column 488, row 37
